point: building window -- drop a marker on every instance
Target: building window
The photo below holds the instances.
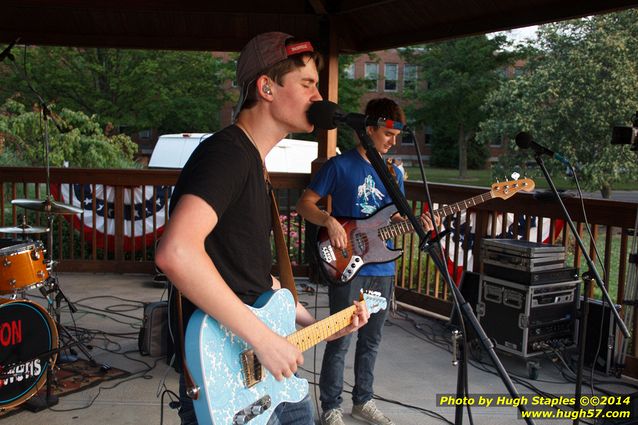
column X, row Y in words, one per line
column 410, row 77
column 348, row 71
column 371, row 76
column 427, row 138
column 497, row 142
column 407, row 139
column 233, row 82
column 391, row 74
column 518, row 71
column 144, row 134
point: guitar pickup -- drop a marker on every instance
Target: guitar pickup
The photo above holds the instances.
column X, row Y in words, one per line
column 353, row 266
column 253, row 371
column 328, row 254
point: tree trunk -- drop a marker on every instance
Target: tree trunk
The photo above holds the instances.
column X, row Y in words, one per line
column 462, row 153
column 605, row 190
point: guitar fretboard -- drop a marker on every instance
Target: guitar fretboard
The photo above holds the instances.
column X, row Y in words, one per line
column 400, row 228
column 312, row 335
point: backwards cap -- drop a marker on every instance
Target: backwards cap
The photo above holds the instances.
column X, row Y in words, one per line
column 262, row 52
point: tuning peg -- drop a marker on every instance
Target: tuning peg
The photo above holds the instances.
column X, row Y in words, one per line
column 515, row 175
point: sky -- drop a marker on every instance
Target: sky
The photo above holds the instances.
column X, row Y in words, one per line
column 520, row 34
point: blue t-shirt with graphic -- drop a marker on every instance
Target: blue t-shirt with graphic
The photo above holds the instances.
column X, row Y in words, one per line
column 357, row 192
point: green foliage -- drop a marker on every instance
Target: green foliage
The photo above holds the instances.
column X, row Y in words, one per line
column 445, row 153
column 579, row 83
column 350, row 92
column 133, row 89
column 460, row 74
column 73, row 137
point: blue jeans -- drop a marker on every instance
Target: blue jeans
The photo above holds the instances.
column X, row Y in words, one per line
column 301, row 413
column 368, row 340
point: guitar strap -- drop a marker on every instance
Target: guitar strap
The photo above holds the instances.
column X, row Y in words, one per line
column 191, row 390
column 286, row 277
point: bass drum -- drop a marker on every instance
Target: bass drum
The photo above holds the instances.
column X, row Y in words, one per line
column 28, row 335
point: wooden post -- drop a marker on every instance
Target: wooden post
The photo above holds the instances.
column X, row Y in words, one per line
column 328, row 87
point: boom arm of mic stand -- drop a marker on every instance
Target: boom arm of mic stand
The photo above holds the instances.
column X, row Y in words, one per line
column 402, row 206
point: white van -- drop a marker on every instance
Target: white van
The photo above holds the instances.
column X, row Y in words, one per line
column 288, row 156
column 173, row 150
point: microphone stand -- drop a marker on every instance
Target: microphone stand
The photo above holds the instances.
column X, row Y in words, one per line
column 402, row 206
column 590, row 274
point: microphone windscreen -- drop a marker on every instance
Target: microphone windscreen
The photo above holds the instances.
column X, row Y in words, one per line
column 524, row 140
column 322, row 114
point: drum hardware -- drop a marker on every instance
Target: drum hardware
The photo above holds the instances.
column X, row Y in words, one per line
column 48, row 206
column 23, row 229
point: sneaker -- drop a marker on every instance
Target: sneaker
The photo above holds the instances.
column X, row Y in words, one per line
column 368, row 412
column 332, row 417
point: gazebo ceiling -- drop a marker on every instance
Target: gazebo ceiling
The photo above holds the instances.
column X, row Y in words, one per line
column 359, row 25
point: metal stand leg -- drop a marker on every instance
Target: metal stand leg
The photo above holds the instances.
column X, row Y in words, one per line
column 582, row 336
column 41, row 402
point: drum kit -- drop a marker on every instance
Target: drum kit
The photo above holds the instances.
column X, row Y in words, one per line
column 29, row 343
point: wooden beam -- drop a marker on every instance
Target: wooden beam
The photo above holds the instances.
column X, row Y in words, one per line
column 328, row 87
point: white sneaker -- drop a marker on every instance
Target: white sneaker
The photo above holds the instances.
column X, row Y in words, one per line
column 332, row 417
column 368, row 412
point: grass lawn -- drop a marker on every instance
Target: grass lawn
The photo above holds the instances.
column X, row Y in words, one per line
column 484, row 178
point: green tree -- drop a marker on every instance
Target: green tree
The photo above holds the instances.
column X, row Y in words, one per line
column 73, row 136
column 132, row 89
column 350, row 92
column 581, row 80
column 460, row 74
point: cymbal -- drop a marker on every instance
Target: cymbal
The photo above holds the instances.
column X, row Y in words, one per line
column 24, row 229
column 54, row 207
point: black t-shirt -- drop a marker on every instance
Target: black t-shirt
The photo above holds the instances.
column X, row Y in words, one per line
column 226, row 171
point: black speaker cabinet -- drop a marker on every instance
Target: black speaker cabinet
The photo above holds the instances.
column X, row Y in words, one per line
column 598, row 319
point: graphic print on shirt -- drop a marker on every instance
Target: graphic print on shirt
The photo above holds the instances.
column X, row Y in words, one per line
column 368, row 196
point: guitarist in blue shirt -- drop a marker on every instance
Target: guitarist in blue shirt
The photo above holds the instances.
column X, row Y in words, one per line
column 216, row 247
column 357, row 192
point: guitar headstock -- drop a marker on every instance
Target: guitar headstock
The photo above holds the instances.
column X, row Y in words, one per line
column 506, row 189
column 374, row 301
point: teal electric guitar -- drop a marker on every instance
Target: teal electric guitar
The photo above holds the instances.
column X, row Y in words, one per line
column 233, row 387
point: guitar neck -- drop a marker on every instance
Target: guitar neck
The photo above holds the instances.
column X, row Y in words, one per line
column 312, row 335
column 403, row 227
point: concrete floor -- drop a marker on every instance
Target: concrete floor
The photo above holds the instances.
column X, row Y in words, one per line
column 413, row 367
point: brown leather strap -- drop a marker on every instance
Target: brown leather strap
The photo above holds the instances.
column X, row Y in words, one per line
column 191, row 388
column 283, row 260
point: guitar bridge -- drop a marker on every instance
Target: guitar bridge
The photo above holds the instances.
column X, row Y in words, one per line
column 253, row 371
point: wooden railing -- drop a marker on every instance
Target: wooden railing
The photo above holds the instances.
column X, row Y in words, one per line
column 128, row 243
column 418, row 282
column 611, row 222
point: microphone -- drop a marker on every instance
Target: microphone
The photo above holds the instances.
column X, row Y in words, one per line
column 326, row 115
column 524, row 140
column 6, row 53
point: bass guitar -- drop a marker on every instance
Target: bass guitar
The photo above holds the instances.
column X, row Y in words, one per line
column 233, row 386
column 367, row 238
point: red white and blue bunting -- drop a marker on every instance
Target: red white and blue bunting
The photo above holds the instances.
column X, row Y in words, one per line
column 145, row 212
